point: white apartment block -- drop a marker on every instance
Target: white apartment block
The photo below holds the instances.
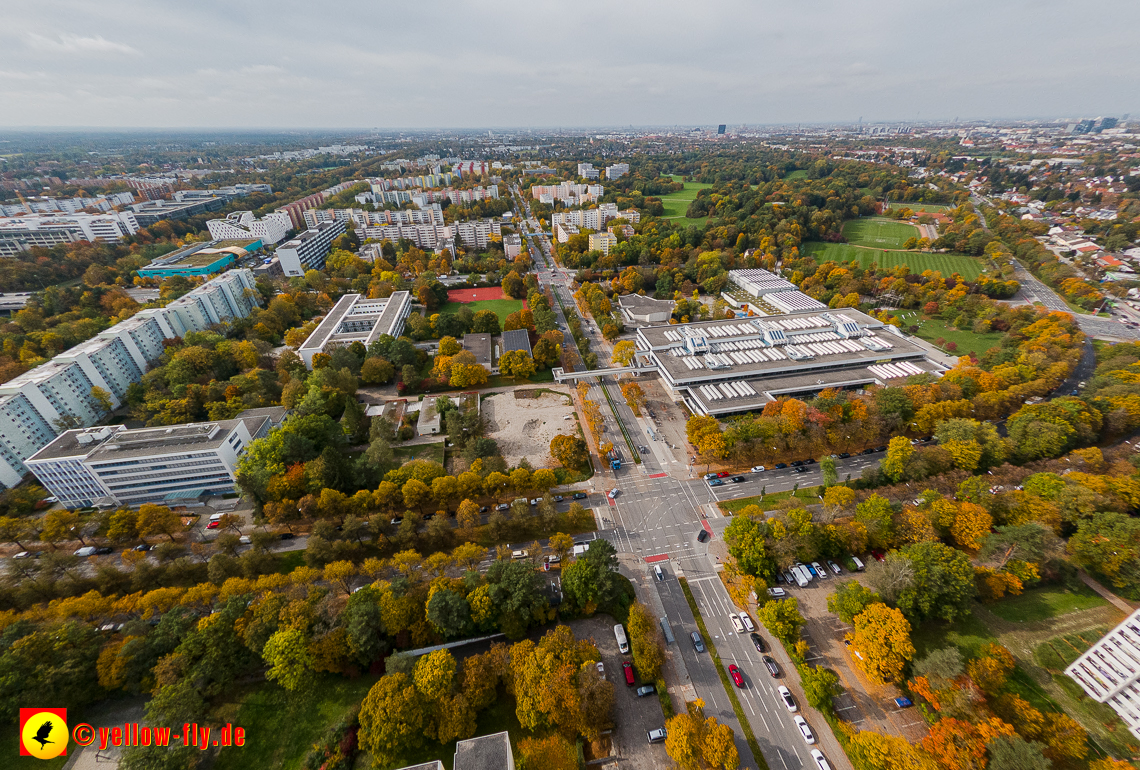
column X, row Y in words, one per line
column 512, row 246
column 562, row 232
column 594, row 219
column 587, row 171
column 167, row 465
column 602, row 242
column 475, row 234
column 22, row 233
column 356, row 318
column 309, row 249
column 430, row 214
column 241, row 225
column 568, row 191
column 617, row 170
column 36, row 406
column 66, row 205
column 1109, row 671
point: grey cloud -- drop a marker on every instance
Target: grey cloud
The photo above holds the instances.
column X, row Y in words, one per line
column 77, row 44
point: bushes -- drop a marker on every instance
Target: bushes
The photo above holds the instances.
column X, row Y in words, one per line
column 336, row 749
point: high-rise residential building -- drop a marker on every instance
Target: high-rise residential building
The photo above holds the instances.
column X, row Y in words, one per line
column 602, row 242
column 23, row 232
column 309, row 249
column 594, row 219
column 568, row 192
column 243, row 225
column 617, row 170
column 587, row 171
column 1109, row 671
column 173, row 464
column 39, row 404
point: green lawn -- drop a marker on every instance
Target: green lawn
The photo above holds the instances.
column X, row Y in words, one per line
column 968, row 634
column 919, row 208
column 808, row 495
column 967, row 341
column 500, row 307
column 797, row 174
column 1046, row 602
column 432, row 452
column 877, row 232
column 281, row 727
column 1057, row 653
column 918, row 261
column 676, row 204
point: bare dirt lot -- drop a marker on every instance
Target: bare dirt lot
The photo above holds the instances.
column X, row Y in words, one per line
column 524, row 427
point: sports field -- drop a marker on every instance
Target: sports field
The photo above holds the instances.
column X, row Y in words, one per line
column 878, row 233
column 920, row 208
column 797, row 174
column 500, row 307
column 918, row 262
column 676, row 204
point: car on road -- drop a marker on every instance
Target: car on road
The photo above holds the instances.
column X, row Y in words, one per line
column 214, row 524
column 716, row 482
column 820, row 760
column 809, row 461
column 757, row 468
column 834, row 567
column 770, row 664
column 797, row 463
column 698, row 642
column 627, row 669
column 781, row 466
column 703, row 536
column 805, row 730
column 880, row 449
column 786, row 697
column 867, row 452
column 747, row 621
column 723, row 474
column 777, row 593
column 577, row 496
column 287, row 536
column 799, row 470
column 645, row 689
column 709, row 476
column 819, row 571
column 736, row 479
column 613, row 493
column 844, row 455
column 520, row 555
column 758, row 642
column 643, row 449
column 657, row 736
column 558, row 498
column 732, row 616
column 659, row 573
column 737, row 677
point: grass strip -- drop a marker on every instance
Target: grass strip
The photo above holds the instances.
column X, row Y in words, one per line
column 628, row 441
column 728, row 687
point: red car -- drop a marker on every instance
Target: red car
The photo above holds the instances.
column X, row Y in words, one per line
column 724, row 474
column 879, row 555
column 627, row 669
column 213, row 524
column 737, row 677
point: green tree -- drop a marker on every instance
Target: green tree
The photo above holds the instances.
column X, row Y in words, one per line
column 820, row 685
column 943, row 584
column 449, row 613
column 1011, row 752
column 287, row 653
column 392, row 719
column 850, row 598
column 783, row 620
column 830, row 475
column 899, row 452
column 746, row 544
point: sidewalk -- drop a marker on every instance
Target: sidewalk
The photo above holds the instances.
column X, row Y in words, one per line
column 1113, row 599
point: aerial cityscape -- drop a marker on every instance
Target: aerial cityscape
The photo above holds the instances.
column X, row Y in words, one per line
column 742, row 395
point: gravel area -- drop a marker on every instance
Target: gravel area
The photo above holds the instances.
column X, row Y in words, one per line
column 524, row 427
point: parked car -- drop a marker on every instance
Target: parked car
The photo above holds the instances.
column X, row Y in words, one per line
column 558, row 498
column 520, row 555
column 657, row 736
column 844, row 455
column 834, row 567
column 396, row 520
column 820, row 572
column 645, row 689
column 709, row 476
column 698, row 642
column 287, row 536
column 781, row 466
column 214, row 523
column 244, row 540
column 601, row 669
column 732, row 616
column 867, row 452
column 797, row 463
column 903, row 703
column 85, row 551
column 627, row 669
column 736, row 479
column 820, row 760
column 503, row 507
column 809, row 461
column 27, row 555
column 757, row 468
column 535, row 500
column 737, row 677
column 789, row 578
column 747, row 621
column 805, row 730
column 801, row 469
column 483, row 509
column 786, row 697
column 777, row 593
column 716, row 483
column 426, row 517
column 758, row 641
column 723, row 474
column 580, row 495
column 879, row 555
column 770, row 664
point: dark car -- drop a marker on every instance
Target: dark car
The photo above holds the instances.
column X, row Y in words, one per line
column 397, row 520
column 702, row 536
column 580, row 495
column 103, row 550
column 483, row 509
column 558, row 498
column 428, row 516
column 759, row 642
column 809, row 461
column 797, row 463
column 287, row 536
column 142, row 547
column 799, row 470
column 736, row 479
column 867, row 452
column 770, row 664
column 880, row 449
column 844, row 455
column 781, row 466
column 698, row 642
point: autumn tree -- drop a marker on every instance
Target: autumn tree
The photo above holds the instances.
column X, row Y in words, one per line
column 882, row 637
column 158, row 520
column 899, row 452
column 872, row 751
column 646, row 642
column 553, row 752
column 570, row 451
column 850, row 599
column 392, row 718
column 695, row 741
column 956, row 745
column 623, row 353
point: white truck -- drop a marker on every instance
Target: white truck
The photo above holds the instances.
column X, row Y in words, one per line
column 619, row 634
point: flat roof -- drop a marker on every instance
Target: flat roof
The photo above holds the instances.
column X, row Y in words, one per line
column 516, row 339
column 193, row 437
column 639, row 302
column 480, row 346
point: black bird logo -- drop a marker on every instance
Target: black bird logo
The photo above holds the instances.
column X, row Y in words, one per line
column 42, row 734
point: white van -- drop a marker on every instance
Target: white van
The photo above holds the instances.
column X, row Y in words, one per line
column 803, row 577
column 623, row 643
column 859, row 567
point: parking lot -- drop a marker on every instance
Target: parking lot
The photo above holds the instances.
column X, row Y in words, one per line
column 633, row 716
column 866, row 705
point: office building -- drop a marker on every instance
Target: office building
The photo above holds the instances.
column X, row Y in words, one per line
column 167, row 465
column 587, row 171
column 617, row 170
column 200, row 259
column 308, row 250
column 21, row 233
column 243, row 225
column 729, row 366
column 39, row 404
column 149, row 212
column 355, row 318
column 1109, row 671
column 602, row 242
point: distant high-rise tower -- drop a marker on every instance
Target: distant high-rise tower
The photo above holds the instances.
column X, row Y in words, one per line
column 720, row 129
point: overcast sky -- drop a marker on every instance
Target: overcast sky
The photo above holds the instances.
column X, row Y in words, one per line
column 449, row 63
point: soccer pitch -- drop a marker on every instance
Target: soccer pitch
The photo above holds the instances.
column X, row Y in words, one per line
column 879, row 233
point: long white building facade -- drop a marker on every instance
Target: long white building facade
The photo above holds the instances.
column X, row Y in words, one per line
column 40, row 404
column 1109, row 671
column 242, row 225
column 356, row 318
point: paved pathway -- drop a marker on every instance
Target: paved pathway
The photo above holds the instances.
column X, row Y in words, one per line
column 1108, row 595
